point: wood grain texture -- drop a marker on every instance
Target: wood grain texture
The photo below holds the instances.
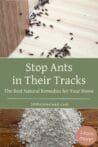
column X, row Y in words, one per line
column 13, row 22
column 9, row 128
column 9, row 125
column 3, row 36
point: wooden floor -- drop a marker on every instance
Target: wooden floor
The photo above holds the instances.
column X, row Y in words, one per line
column 9, row 126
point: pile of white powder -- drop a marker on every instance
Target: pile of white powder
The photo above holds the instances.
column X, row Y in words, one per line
column 49, row 127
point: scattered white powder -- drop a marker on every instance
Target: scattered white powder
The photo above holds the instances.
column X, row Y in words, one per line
column 49, row 127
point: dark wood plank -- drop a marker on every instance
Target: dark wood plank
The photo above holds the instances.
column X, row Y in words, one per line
column 3, row 36
column 13, row 24
column 9, row 127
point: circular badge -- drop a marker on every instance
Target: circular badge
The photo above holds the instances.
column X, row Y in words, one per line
column 86, row 135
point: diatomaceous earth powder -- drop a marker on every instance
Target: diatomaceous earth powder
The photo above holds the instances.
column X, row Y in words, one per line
column 49, row 127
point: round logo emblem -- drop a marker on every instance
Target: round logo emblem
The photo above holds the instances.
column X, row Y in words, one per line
column 86, row 135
